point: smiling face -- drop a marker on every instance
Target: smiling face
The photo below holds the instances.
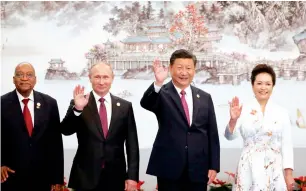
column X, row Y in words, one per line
column 182, row 72
column 101, row 77
column 263, row 87
column 24, row 79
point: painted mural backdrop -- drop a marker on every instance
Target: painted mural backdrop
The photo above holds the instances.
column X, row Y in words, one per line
column 63, row 39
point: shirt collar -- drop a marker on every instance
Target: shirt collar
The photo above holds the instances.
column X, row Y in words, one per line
column 187, row 90
column 256, row 104
column 107, row 97
column 20, row 97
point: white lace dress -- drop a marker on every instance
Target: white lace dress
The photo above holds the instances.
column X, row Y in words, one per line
column 267, row 148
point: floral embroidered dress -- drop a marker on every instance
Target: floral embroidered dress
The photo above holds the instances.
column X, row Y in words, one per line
column 267, row 147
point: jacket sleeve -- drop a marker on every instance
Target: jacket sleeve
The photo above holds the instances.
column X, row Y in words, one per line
column 5, row 142
column 70, row 123
column 132, row 147
column 214, row 144
column 56, row 153
column 150, row 99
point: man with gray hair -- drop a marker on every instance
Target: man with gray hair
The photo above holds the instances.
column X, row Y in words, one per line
column 103, row 123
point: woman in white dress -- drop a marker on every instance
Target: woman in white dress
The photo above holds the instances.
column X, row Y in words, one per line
column 266, row 161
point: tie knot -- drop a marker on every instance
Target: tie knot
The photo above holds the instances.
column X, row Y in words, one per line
column 183, row 92
column 102, row 100
column 25, row 101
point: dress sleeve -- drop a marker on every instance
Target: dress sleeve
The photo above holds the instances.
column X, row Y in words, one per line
column 287, row 147
column 231, row 136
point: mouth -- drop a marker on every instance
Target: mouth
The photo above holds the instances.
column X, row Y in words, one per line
column 101, row 87
column 263, row 93
column 25, row 84
column 183, row 78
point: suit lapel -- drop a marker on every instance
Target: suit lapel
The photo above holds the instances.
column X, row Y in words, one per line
column 40, row 112
column 16, row 112
column 177, row 100
column 93, row 114
column 115, row 113
column 196, row 102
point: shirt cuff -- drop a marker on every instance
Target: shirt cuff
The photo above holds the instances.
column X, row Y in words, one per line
column 76, row 113
column 156, row 88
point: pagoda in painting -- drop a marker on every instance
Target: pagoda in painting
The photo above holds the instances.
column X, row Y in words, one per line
column 57, row 71
column 156, row 38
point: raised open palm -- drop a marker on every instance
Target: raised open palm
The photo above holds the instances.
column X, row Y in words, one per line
column 160, row 71
column 235, row 108
column 80, row 100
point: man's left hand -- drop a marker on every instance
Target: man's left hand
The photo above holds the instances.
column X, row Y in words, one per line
column 211, row 176
column 130, row 185
column 57, row 187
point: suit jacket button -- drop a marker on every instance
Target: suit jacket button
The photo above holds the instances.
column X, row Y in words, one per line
column 186, row 147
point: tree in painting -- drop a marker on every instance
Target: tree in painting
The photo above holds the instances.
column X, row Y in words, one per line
column 191, row 25
column 130, row 19
column 263, row 24
column 98, row 53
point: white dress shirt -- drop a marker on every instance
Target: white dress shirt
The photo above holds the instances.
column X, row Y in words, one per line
column 107, row 103
column 30, row 104
column 188, row 97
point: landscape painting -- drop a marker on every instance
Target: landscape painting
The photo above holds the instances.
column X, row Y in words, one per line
column 63, row 39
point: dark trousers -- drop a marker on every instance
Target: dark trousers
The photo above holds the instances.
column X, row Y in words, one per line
column 182, row 184
column 108, row 183
column 25, row 181
column 37, row 187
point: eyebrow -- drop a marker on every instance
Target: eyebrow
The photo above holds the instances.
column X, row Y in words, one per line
column 24, row 72
column 101, row 75
column 265, row 81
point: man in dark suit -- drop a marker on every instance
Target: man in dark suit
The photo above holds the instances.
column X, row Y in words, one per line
column 186, row 151
column 31, row 141
column 103, row 123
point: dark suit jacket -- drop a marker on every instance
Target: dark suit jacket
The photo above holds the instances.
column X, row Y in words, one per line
column 38, row 159
column 178, row 145
column 94, row 149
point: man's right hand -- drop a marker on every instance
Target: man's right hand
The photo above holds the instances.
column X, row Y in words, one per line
column 160, row 72
column 5, row 173
column 80, row 100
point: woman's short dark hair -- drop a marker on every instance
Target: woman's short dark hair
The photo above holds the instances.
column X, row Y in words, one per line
column 263, row 68
column 182, row 53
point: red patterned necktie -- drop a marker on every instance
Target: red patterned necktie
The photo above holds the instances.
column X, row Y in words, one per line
column 27, row 116
column 185, row 105
column 103, row 117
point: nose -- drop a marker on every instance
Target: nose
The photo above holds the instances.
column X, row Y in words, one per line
column 184, row 71
column 263, row 87
column 101, row 81
column 24, row 78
